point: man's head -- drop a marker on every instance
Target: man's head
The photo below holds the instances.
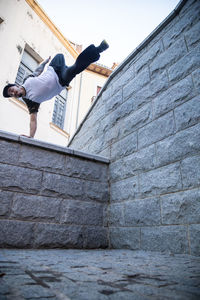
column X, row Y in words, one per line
column 12, row 90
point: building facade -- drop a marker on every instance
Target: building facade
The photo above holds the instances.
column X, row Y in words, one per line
column 27, row 37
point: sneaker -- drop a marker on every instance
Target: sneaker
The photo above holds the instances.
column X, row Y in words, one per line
column 103, row 46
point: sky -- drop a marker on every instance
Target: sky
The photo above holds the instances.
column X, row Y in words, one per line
column 123, row 23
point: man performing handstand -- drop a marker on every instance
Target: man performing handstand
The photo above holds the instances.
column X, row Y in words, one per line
column 39, row 87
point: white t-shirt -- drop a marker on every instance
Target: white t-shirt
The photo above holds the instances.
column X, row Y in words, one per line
column 43, row 87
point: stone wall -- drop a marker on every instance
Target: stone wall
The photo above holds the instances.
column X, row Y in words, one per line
column 146, row 120
column 51, row 196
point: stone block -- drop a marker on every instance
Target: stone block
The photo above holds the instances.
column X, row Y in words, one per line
column 185, row 23
column 181, row 208
column 160, row 181
column 5, row 202
column 16, row 234
column 136, row 83
column 142, row 212
column 81, row 213
column 136, row 120
column 107, row 93
column 149, row 56
column 187, row 114
column 124, row 147
column 125, row 238
column 97, row 191
column 196, row 79
column 105, row 152
column 186, row 142
column 111, row 136
column 124, row 78
column 168, row 57
column 9, row 152
column 150, row 91
column 185, row 65
column 192, row 36
column 20, row 179
column 157, row 86
column 187, row 5
column 122, row 111
column 156, row 130
column 190, row 169
column 175, row 95
column 194, row 231
column 28, row 207
column 58, row 236
column 95, row 237
column 41, row 159
column 67, row 187
column 116, row 214
column 165, row 239
column 113, row 102
column 124, row 190
column 82, row 168
column 130, row 165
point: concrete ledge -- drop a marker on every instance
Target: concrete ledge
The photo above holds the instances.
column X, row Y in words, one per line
column 4, row 135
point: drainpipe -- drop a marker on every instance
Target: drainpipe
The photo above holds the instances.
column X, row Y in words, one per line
column 79, row 99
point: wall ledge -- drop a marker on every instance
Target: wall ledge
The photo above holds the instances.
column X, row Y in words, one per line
column 4, row 135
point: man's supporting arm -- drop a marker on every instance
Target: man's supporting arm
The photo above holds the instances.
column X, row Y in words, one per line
column 33, row 124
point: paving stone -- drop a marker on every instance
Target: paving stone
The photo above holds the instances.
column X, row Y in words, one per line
column 100, row 274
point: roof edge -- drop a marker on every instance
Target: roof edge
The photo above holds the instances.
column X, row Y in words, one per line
column 43, row 16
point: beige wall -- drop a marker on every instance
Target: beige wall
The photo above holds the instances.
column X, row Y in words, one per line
column 23, row 26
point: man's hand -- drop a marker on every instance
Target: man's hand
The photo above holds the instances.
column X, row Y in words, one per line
column 47, row 60
column 33, row 124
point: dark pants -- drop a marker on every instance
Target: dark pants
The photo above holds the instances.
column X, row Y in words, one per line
column 65, row 73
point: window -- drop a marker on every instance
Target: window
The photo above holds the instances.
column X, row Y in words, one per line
column 60, row 109
column 27, row 65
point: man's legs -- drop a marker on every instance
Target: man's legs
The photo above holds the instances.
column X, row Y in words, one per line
column 58, row 63
column 88, row 56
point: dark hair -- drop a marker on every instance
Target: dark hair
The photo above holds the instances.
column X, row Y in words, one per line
column 5, row 90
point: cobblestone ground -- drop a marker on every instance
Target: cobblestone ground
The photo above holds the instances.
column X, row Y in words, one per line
column 97, row 274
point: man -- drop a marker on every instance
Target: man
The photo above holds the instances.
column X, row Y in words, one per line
column 42, row 86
